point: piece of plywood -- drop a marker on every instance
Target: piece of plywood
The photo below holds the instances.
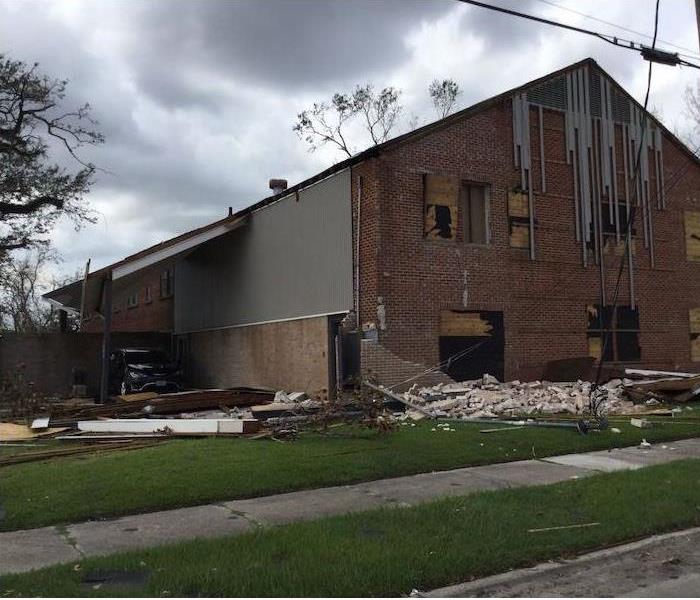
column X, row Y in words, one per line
column 12, row 432
column 692, row 235
column 519, row 219
column 594, row 346
column 464, row 324
column 441, row 199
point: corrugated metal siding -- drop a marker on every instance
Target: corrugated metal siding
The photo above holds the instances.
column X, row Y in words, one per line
column 293, row 259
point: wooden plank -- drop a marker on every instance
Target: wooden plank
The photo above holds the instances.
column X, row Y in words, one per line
column 666, row 385
column 177, row 426
column 652, row 373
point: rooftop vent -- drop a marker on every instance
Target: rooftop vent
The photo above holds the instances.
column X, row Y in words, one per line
column 278, row 185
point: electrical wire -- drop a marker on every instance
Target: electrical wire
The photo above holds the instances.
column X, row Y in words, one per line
column 448, row 361
column 628, row 227
column 610, row 39
column 693, row 53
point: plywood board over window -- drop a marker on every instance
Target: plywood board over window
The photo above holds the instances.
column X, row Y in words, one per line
column 441, row 194
column 692, row 235
column 694, row 334
column 471, row 324
column 519, row 219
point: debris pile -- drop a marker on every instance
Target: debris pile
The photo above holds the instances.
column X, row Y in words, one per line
column 488, row 398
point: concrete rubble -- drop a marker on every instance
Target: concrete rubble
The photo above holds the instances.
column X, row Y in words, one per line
column 487, row 397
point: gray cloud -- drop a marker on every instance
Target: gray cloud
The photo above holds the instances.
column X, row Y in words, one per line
column 197, row 98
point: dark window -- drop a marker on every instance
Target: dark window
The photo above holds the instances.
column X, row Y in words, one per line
column 147, row 294
column 166, row 283
column 616, row 330
column 475, row 214
column 132, row 300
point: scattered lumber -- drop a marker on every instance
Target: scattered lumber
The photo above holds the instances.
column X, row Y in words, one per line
column 162, row 404
column 62, row 452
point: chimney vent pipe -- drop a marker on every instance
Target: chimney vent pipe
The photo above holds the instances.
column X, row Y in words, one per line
column 278, row 185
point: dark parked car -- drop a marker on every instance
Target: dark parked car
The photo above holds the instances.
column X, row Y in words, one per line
column 142, row 370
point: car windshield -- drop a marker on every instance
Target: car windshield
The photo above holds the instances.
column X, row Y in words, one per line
column 146, row 357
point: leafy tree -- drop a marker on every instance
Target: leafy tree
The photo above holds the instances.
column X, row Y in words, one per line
column 35, row 192
column 328, row 122
column 444, row 94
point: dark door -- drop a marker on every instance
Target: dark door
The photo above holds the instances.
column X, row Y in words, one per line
column 472, row 343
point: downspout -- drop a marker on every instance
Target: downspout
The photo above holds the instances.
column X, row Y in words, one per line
column 106, row 334
column 357, row 249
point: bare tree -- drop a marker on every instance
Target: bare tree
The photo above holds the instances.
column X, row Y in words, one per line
column 692, row 112
column 23, row 278
column 33, row 191
column 444, row 94
column 328, row 122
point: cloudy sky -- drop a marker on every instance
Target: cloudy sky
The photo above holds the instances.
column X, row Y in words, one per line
column 197, row 98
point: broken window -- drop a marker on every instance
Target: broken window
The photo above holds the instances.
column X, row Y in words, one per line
column 132, row 300
column 692, row 235
column 475, row 213
column 610, row 243
column 166, row 283
column 441, row 194
column 695, row 334
column 621, row 327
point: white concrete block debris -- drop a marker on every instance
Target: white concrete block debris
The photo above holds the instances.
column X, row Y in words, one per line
column 487, row 397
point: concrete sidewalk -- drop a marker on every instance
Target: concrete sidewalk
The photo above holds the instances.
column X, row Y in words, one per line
column 35, row 548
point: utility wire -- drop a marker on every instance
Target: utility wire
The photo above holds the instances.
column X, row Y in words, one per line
column 610, row 39
column 628, row 227
column 693, row 53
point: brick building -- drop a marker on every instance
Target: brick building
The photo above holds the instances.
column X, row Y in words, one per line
column 488, row 241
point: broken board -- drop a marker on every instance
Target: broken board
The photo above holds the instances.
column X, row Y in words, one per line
column 174, row 426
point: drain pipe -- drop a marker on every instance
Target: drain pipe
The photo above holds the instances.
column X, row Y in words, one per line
column 357, row 247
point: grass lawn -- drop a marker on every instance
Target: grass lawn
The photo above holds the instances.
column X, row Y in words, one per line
column 388, row 552
column 195, row 471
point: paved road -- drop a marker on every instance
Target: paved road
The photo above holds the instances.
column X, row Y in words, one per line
column 660, row 566
column 36, row 548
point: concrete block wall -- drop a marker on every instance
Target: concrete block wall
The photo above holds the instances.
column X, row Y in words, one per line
column 48, row 359
column 388, row 369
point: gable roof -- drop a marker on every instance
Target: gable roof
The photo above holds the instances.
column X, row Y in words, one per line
column 376, row 150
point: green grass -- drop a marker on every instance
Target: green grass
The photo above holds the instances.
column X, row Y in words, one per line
column 196, row 471
column 388, row 552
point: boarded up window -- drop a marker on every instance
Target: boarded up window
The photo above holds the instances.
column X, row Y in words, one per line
column 695, row 334
column 475, row 213
column 621, row 326
column 441, row 199
column 519, row 220
column 472, row 343
column 692, row 235
column 468, row 324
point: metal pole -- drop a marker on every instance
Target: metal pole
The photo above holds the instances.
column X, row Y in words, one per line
column 83, row 294
column 106, row 333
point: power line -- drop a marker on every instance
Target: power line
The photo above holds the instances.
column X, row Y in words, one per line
column 650, row 53
column 693, row 53
column 628, row 227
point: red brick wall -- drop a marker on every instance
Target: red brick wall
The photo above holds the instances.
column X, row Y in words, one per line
column 156, row 315
column 544, row 301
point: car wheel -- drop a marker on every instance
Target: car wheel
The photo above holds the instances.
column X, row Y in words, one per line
column 124, row 388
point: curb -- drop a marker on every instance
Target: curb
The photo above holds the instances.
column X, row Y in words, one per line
column 483, row 586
